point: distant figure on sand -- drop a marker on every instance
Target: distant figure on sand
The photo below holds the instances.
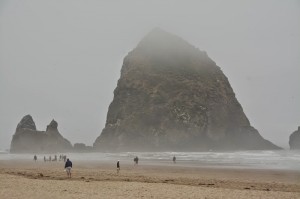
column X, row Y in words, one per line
column 174, row 159
column 136, row 160
column 35, row 158
column 45, row 159
column 118, row 166
column 68, row 167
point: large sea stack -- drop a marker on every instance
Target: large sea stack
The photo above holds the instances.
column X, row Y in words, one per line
column 295, row 139
column 172, row 97
column 27, row 139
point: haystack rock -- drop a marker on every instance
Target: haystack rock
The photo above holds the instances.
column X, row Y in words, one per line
column 295, row 139
column 172, row 97
column 29, row 140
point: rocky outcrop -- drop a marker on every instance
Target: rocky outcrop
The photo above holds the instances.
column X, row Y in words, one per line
column 173, row 97
column 295, row 139
column 81, row 147
column 27, row 123
column 29, row 140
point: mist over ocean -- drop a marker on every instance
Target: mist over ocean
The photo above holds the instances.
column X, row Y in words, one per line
column 279, row 159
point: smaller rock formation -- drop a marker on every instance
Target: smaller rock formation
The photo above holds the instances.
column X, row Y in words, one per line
column 81, row 147
column 295, row 139
column 27, row 139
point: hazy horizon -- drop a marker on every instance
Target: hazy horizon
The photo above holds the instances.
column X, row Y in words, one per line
column 62, row 59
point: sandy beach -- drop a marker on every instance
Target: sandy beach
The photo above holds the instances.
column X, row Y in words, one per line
column 99, row 179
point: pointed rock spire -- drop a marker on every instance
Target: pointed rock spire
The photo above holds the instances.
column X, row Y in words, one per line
column 173, row 97
column 26, row 123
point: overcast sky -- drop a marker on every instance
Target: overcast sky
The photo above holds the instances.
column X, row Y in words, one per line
column 62, row 59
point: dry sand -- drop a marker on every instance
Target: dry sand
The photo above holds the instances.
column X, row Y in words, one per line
column 99, row 179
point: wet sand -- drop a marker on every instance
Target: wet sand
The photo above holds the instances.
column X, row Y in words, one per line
column 99, row 179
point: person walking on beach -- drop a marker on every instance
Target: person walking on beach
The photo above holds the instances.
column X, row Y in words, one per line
column 35, row 158
column 118, row 166
column 68, row 167
column 174, row 159
column 45, row 159
column 136, row 160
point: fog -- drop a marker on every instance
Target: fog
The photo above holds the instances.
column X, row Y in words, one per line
column 62, row 59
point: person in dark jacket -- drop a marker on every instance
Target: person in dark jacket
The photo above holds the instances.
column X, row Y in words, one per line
column 136, row 160
column 68, row 167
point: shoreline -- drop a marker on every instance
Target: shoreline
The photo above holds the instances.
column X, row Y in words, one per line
column 268, row 160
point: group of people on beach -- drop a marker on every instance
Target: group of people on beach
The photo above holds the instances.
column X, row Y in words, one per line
column 61, row 158
column 50, row 159
column 69, row 164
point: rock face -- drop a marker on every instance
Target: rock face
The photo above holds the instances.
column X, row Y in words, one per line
column 173, row 97
column 28, row 140
column 295, row 139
